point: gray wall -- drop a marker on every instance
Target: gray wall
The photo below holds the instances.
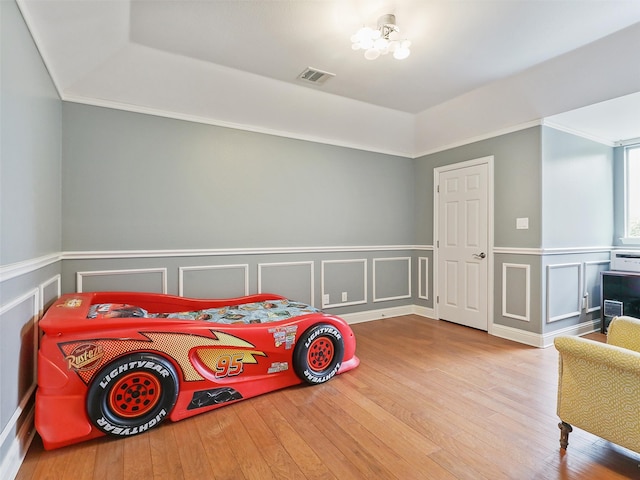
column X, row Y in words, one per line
column 564, row 185
column 30, row 221
column 618, row 195
column 133, row 181
column 577, row 186
column 31, row 144
column 517, row 172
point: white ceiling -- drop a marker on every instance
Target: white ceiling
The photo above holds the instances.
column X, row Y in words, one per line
column 236, row 63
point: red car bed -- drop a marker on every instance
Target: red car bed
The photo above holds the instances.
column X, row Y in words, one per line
column 119, row 363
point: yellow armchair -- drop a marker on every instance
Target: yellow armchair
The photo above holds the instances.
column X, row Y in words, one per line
column 599, row 385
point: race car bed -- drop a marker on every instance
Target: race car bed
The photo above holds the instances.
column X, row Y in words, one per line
column 119, row 363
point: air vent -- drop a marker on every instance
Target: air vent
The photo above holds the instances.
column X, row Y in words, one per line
column 315, row 76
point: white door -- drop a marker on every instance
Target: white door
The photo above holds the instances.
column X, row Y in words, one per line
column 462, row 244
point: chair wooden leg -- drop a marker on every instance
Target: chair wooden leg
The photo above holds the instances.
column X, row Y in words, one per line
column 565, row 430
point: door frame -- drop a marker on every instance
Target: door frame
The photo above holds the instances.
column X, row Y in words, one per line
column 489, row 161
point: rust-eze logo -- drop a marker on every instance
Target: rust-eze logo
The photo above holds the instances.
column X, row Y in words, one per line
column 85, row 357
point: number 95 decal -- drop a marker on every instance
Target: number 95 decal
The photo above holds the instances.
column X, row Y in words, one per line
column 229, row 365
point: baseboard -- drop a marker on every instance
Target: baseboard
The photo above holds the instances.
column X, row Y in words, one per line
column 18, row 448
column 517, row 335
column 542, row 340
column 370, row 315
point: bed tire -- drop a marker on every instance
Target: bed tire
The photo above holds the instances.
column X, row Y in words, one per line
column 318, row 354
column 132, row 394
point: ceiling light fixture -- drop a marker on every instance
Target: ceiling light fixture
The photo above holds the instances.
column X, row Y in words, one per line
column 380, row 41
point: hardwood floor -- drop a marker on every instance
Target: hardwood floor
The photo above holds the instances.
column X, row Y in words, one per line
column 430, row 400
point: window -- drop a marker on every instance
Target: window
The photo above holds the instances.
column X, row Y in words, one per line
column 632, row 192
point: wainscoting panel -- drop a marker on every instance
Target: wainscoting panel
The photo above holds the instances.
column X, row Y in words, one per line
column 343, row 277
column 423, row 278
column 50, row 291
column 18, row 358
column 592, row 282
column 564, row 291
column 294, row 280
column 391, row 278
column 135, row 280
column 214, row 281
column 516, row 291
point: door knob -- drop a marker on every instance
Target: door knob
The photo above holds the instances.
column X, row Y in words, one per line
column 481, row 255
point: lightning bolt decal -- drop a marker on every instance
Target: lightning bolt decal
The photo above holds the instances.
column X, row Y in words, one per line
column 176, row 345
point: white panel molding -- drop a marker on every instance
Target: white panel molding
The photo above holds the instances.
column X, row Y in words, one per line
column 133, row 271
column 57, row 279
column 551, row 251
column 13, row 270
column 311, row 265
column 392, row 259
column 527, row 268
column 18, row 447
column 423, row 271
column 585, row 288
column 364, row 282
column 33, row 297
column 579, row 282
column 216, row 252
column 181, row 270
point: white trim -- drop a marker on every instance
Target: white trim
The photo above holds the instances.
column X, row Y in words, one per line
column 378, row 314
column 424, row 260
column 584, row 287
column 551, row 251
column 517, row 335
column 18, row 448
column 7, row 272
column 579, row 329
column 424, row 312
column 364, row 282
column 628, row 142
column 580, row 283
column 131, row 271
column 527, row 269
column 181, row 270
column 33, row 295
column 112, row 254
column 578, row 133
column 55, row 279
column 398, row 297
column 289, row 264
column 12, row 270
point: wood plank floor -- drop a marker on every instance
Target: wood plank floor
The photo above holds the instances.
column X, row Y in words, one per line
column 430, row 400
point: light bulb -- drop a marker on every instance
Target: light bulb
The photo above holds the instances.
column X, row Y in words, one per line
column 381, row 43
column 372, row 54
column 401, row 53
column 366, row 43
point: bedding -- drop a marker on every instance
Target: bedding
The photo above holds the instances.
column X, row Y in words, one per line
column 248, row 313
